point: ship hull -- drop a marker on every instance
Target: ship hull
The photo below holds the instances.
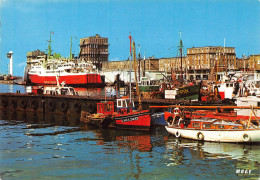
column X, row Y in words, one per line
column 135, row 121
column 243, row 136
column 77, row 79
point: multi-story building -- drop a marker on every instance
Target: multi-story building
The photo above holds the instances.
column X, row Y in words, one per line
column 172, row 64
column 210, row 60
column 242, row 64
column 94, row 49
column 254, row 62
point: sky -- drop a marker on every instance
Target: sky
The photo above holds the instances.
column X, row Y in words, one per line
column 155, row 25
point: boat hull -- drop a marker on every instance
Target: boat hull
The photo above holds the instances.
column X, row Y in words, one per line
column 76, row 79
column 243, row 136
column 189, row 92
column 157, row 119
column 135, row 121
column 184, row 93
column 149, row 88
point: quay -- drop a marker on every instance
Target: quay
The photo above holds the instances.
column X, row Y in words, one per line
column 74, row 104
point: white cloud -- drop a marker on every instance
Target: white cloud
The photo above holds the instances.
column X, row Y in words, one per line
column 2, row 2
column 115, row 59
column 21, row 64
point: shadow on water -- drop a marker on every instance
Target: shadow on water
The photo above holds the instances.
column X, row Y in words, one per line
column 36, row 120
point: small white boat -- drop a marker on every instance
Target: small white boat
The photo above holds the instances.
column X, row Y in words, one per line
column 214, row 130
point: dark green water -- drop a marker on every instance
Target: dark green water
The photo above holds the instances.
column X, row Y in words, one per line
column 57, row 147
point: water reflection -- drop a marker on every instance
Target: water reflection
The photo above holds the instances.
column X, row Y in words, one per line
column 38, row 123
column 245, row 157
column 125, row 140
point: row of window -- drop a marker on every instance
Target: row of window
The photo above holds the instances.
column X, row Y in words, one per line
column 217, row 50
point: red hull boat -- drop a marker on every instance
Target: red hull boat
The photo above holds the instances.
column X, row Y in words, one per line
column 124, row 118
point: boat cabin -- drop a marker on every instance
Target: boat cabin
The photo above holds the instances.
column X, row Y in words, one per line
column 212, row 124
column 59, row 90
column 106, row 108
column 125, row 103
column 147, row 85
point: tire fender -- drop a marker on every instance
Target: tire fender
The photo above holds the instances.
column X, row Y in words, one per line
column 200, row 136
column 177, row 134
column 246, row 137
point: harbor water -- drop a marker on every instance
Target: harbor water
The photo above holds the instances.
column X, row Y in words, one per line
column 36, row 146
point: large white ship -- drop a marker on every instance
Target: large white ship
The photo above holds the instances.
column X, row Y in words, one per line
column 72, row 73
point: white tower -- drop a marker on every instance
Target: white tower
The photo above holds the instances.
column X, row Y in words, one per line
column 10, row 56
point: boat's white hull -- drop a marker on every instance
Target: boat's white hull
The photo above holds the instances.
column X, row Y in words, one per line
column 217, row 135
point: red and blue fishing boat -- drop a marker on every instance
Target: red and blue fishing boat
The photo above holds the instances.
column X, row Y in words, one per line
column 125, row 116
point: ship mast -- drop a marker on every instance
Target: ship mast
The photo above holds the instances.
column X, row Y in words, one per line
column 135, row 68
column 130, row 88
column 180, row 50
column 71, row 49
column 49, row 46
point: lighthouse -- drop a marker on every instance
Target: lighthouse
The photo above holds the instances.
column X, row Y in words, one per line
column 10, row 56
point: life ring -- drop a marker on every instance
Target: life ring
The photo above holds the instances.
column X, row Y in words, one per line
column 246, row 137
column 4, row 102
column 64, row 107
column 200, row 136
column 23, row 104
column 176, row 111
column 14, row 104
column 91, row 107
column 34, row 104
column 77, row 107
column 52, row 106
column 177, row 134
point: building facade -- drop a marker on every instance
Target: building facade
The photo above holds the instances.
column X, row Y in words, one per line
column 211, row 60
column 242, row 64
column 94, row 49
column 254, row 62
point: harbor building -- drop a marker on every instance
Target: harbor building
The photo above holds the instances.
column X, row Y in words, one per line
column 94, row 49
column 207, row 62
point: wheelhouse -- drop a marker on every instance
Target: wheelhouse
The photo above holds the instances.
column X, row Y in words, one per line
column 106, row 108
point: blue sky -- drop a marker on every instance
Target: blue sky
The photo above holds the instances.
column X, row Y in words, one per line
column 154, row 24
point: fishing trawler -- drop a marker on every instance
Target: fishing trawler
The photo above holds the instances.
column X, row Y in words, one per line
column 125, row 116
column 181, row 90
